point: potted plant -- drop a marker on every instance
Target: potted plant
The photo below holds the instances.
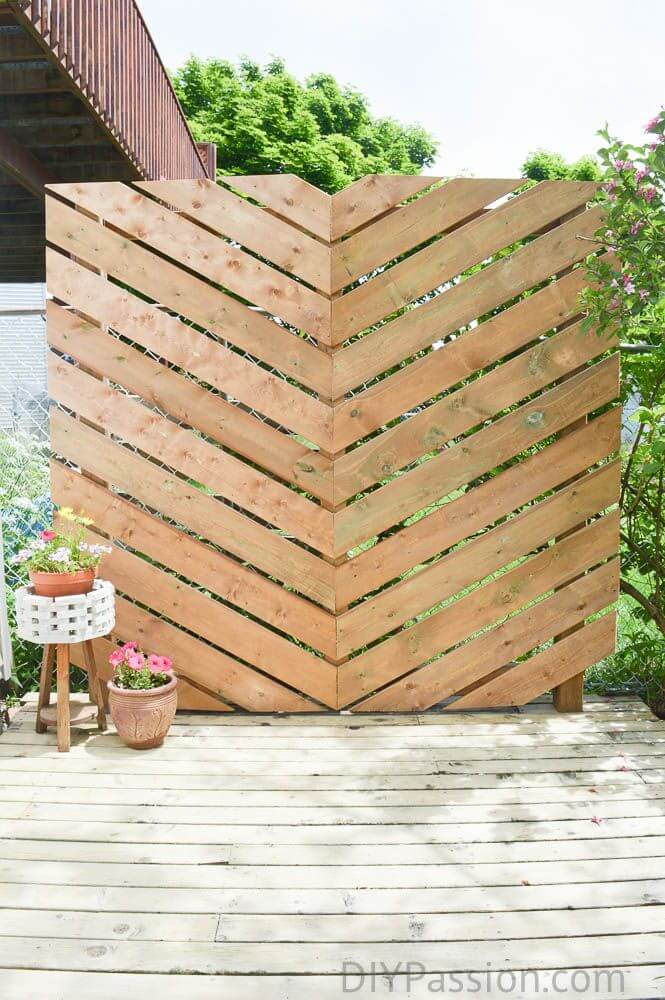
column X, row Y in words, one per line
column 61, row 564
column 142, row 696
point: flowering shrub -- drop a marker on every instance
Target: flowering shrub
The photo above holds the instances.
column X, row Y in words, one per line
column 628, row 285
column 627, row 297
column 55, row 552
column 135, row 671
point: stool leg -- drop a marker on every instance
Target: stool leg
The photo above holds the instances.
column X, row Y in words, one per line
column 45, row 679
column 62, row 659
column 94, row 684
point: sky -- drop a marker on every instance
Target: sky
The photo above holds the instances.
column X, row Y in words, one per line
column 492, row 80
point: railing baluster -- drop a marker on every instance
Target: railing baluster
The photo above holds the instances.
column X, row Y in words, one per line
column 106, row 48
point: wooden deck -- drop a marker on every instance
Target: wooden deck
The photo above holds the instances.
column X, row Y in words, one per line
column 252, row 856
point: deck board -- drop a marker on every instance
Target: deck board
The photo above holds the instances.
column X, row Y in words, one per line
column 252, row 856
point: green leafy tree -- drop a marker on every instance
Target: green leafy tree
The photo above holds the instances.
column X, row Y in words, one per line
column 263, row 120
column 544, row 165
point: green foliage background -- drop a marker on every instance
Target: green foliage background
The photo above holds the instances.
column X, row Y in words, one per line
column 265, row 121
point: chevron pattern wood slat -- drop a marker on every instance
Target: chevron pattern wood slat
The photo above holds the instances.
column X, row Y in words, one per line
column 353, row 451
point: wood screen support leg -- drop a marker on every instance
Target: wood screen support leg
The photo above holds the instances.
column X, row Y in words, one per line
column 63, row 697
column 45, row 679
column 569, row 696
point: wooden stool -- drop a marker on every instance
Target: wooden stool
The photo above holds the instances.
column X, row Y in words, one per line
column 57, row 623
column 67, row 713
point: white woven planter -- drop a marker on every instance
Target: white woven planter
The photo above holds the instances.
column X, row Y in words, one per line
column 51, row 620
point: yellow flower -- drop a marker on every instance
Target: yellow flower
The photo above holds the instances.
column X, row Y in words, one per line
column 67, row 513
column 86, row 521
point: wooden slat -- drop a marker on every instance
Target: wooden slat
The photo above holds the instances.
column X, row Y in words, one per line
column 556, row 565
column 290, row 198
column 227, row 629
column 175, row 341
column 189, row 454
column 566, row 658
column 637, row 981
column 477, row 508
column 439, row 370
column 442, row 261
column 195, row 560
column 240, row 220
column 496, row 443
column 293, row 876
column 470, row 406
column 201, row 664
column 318, row 901
column 387, row 927
column 202, row 514
column 327, row 959
column 501, row 281
column 433, row 213
column 109, row 357
column 372, row 196
column 478, row 558
column 518, row 635
column 191, row 246
column 168, row 284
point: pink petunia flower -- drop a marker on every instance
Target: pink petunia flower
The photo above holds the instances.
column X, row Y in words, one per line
column 47, row 535
column 130, row 645
column 154, row 664
column 166, row 664
column 136, row 660
column 116, row 658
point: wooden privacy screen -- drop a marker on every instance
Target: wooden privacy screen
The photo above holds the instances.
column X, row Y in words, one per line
column 345, row 460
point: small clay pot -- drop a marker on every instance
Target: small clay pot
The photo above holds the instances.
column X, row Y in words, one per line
column 143, row 718
column 62, row 584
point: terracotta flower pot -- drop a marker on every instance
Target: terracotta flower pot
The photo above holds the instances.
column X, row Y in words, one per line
column 62, row 584
column 143, row 718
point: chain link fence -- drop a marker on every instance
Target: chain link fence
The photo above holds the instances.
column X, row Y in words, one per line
column 25, row 499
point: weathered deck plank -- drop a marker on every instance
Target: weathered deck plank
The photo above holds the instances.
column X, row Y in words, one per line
column 282, row 847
